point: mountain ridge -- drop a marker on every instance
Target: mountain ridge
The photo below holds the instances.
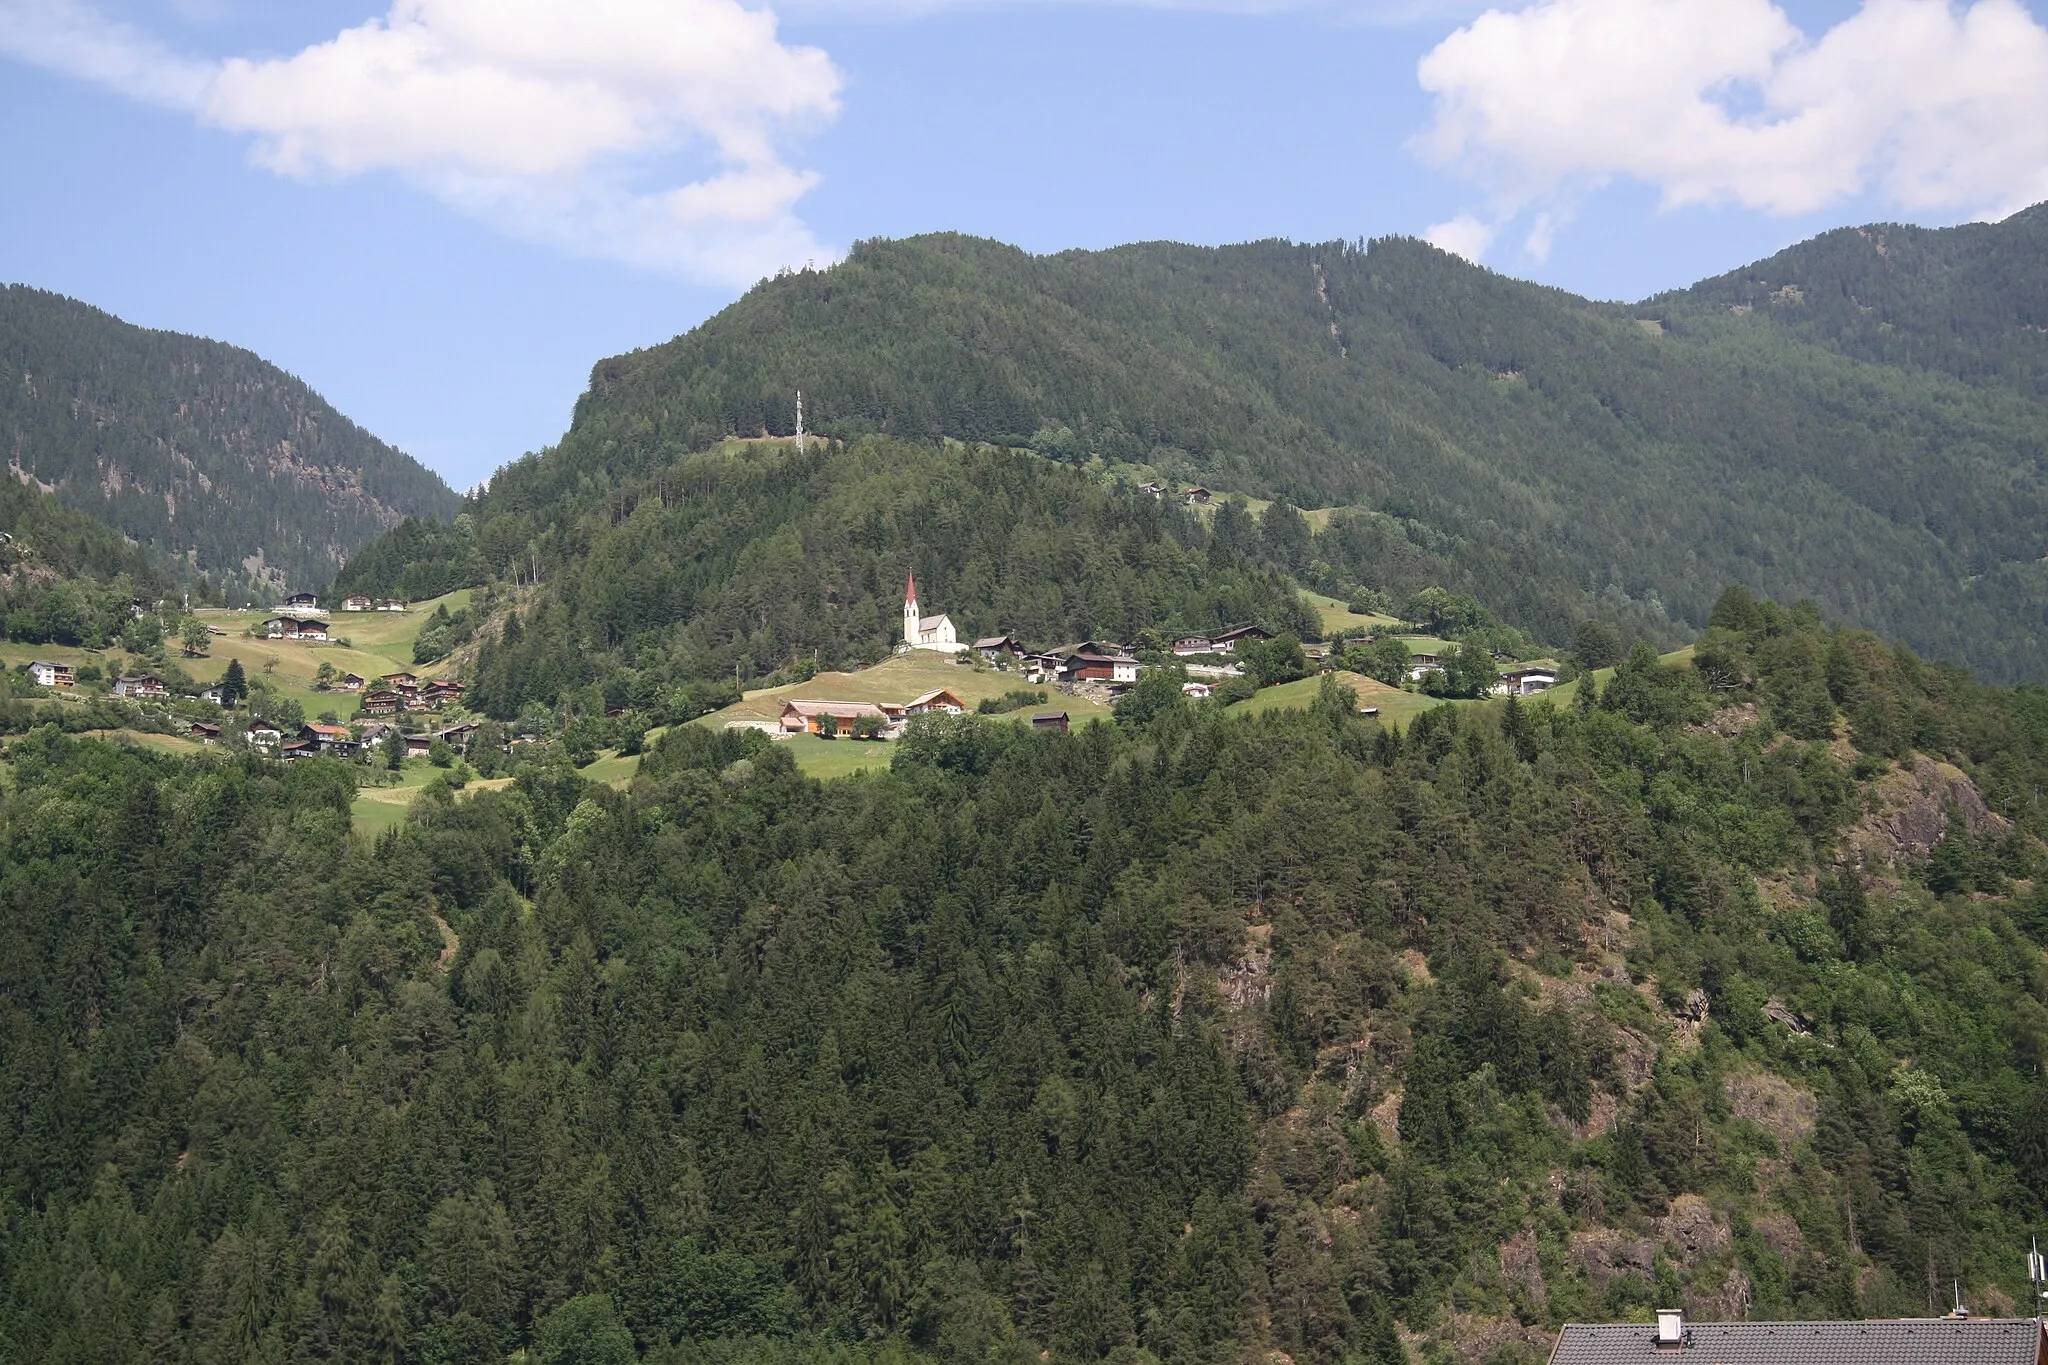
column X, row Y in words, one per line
column 1557, row 457
column 200, row 450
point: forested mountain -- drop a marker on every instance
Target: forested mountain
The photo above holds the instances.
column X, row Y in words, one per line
column 199, row 451
column 1558, row 458
column 1182, row 1039
column 1968, row 301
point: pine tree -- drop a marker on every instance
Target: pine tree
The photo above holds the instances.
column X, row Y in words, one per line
column 234, row 684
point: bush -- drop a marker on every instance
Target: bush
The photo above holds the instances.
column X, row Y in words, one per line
column 1016, row 699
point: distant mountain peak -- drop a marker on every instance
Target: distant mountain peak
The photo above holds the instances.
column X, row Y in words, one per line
column 200, row 451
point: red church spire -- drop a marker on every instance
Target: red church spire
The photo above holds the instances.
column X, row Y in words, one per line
column 910, row 591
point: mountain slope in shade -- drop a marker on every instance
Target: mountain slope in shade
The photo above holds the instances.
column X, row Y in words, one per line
column 1557, row 457
column 199, row 451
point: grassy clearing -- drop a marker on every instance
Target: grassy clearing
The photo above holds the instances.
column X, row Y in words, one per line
column 611, row 768
column 377, row 809
column 898, row 678
column 163, row 744
column 1396, row 707
column 1563, row 693
column 1339, row 620
column 825, row 759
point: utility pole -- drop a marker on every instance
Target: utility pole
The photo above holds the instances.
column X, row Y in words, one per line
column 799, row 421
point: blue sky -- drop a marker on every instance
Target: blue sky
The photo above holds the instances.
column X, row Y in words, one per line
column 445, row 262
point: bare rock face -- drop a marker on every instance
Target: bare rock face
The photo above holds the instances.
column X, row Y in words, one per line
column 1520, row 1267
column 1911, row 812
column 1691, row 1230
column 1784, row 1110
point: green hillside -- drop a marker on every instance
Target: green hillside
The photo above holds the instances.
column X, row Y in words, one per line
column 196, row 450
column 1968, row 301
column 751, row 563
column 1557, row 458
column 1187, row 1041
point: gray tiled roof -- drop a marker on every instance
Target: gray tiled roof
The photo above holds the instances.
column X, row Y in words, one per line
column 1929, row 1341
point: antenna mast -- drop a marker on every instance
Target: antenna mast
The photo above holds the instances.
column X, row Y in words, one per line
column 799, row 421
column 2037, row 1280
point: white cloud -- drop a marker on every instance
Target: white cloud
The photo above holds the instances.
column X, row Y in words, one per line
column 74, row 41
column 539, row 116
column 1464, row 236
column 1940, row 107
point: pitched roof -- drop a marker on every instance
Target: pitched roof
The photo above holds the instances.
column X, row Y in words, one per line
column 925, row 623
column 993, row 642
column 1917, row 1341
column 331, row 731
column 838, row 710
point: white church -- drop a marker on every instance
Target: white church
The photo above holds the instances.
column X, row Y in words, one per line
column 927, row 632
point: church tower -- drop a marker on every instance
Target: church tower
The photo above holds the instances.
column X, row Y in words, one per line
column 911, row 618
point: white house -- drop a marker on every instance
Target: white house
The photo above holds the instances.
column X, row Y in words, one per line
column 294, row 626
column 1526, row 680
column 927, row 632
column 1195, row 691
column 52, row 675
column 357, row 604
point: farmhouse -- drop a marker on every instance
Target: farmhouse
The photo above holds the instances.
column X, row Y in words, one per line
column 382, row 702
column 147, row 685
column 456, row 737
column 1526, row 680
column 294, row 749
column 808, row 717
column 1097, row 662
column 1050, row 720
column 52, row 675
column 350, row 682
column 265, row 735
column 1194, row 644
column 1957, row 1340
column 302, row 601
column 329, row 739
column 926, row 632
column 357, row 604
column 1195, row 691
column 392, row 604
column 217, row 694
column 206, row 731
column 939, row 699
column 994, row 647
column 1228, row 641
column 1155, row 491
column 1421, row 662
column 417, row 746
column 1196, row 496
column 294, row 626
column 404, row 682
column 439, row 693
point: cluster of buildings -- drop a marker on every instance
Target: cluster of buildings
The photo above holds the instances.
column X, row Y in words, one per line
column 335, row 741
column 1195, row 496
column 300, row 617
column 886, row 719
column 403, row 692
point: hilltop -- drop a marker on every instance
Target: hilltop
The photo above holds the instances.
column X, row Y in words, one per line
column 215, row 461
column 1557, row 458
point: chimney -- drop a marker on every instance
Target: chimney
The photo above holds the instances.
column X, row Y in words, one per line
column 1670, row 1329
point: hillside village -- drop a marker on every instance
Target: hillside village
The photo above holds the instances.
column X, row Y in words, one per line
column 1098, row 673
